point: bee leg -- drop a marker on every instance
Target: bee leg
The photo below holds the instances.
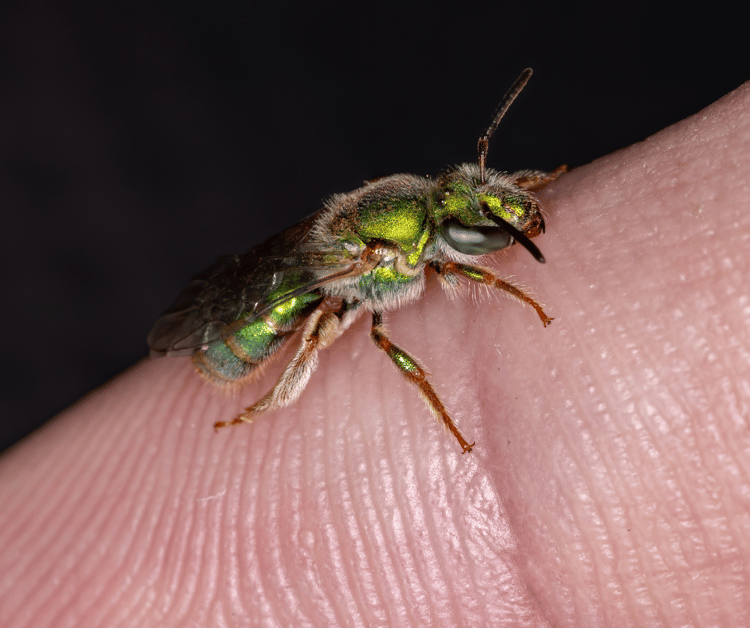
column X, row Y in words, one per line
column 321, row 329
column 487, row 278
column 535, row 180
column 416, row 375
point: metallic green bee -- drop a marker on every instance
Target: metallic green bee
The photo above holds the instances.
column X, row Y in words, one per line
column 365, row 251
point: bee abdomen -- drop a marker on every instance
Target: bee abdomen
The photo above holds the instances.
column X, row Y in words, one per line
column 247, row 347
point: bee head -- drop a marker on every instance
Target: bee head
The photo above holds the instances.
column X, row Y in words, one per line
column 477, row 216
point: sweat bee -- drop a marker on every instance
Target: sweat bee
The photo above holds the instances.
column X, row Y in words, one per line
column 364, row 251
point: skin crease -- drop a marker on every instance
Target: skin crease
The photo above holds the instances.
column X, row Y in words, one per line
column 609, row 485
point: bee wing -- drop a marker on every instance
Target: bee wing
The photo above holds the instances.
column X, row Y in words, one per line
column 245, row 287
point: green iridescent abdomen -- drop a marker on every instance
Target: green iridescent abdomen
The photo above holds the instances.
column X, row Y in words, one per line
column 237, row 356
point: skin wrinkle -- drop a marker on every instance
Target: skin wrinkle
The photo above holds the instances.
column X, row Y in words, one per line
column 581, row 463
column 191, row 532
column 488, row 528
column 411, row 510
column 166, row 517
column 483, row 535
column 464, row 557
column 507, row 555
column 314, row 572
column 435, row 514
column 387, row 566
column 354, row 530
column 322, row 582
column 371, row 527
column 290, row 529
column 237, row 570
column 655, row 560
column 249, row 544
column 106, row 490
column 583, row 514
column 292, row 607
column 571, row 447
column 339, row 500
column 152, row 554
column 273, row 572
column 293, row 505
column 428, row 463
column 463, row 534
column 398, row 463
column 333, row 545
column 412, row 584
column 316, row 487
column 403, row 578
column 97, row 524
column 176, row 557
column 699, row 472
column 455, row 480
column 133, row 554
column 230, row 563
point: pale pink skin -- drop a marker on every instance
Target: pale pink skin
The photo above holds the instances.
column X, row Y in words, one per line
column 609, row 485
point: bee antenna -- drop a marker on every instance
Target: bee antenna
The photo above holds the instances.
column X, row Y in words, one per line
column 484, row 141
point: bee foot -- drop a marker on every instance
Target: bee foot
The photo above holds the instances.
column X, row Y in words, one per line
column 243, row 418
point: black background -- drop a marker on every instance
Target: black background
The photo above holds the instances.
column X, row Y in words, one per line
column 139, row 141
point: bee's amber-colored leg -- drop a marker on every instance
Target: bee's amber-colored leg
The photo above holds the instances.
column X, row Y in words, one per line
column 321, row 329
column 484, row 276
column 535, row 180
column 416, row 375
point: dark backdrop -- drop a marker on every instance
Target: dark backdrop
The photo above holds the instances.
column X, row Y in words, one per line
column 139, row 141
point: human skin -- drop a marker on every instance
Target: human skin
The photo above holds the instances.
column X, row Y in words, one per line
column 609, row 484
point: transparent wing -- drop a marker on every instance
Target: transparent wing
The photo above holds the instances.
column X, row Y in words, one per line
column 245, row 287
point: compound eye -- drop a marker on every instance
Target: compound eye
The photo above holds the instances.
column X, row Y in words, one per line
column 474, row 240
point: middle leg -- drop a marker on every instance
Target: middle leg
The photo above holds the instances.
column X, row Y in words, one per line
column 416, row 375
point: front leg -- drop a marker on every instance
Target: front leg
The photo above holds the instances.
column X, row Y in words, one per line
column 416, row 375
column 487, row 278
column 535, row 180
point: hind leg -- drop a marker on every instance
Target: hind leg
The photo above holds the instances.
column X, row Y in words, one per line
column 321, row 329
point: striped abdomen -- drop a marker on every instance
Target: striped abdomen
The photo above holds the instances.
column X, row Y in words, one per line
column 238, row 354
